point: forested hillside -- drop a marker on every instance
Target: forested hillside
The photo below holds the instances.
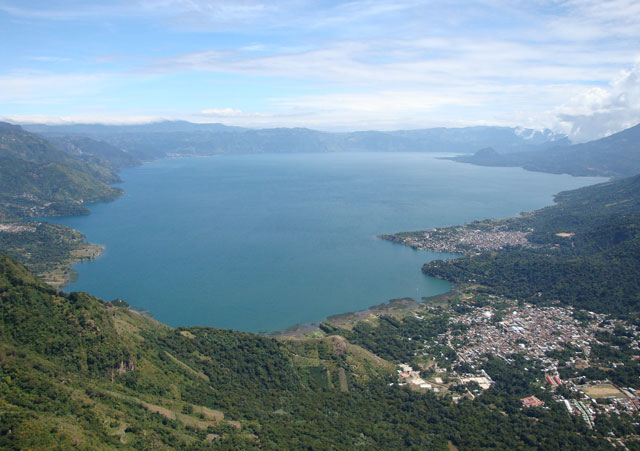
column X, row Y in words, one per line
column 17, row 143
column 81, row 373
column 95, row 152
column 38, row 179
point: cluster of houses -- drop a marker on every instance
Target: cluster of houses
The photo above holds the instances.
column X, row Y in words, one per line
column 522, row 329
column 462, row 239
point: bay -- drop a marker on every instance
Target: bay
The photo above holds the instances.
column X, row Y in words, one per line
column 262, row 242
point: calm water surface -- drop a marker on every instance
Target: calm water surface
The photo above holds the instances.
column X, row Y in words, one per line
column 261, row 242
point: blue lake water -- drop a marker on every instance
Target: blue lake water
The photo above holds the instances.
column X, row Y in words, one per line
column 262, row 242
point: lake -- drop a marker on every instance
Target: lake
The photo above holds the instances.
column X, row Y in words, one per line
column 262, row 242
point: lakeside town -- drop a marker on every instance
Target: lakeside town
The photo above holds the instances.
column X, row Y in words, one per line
column 558, row 344
column 552, row 341
column 475, row 237
column 572, row 358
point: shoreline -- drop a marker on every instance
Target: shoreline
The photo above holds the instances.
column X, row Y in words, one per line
column 47, row 249
column 393, row 306
column 88, row 252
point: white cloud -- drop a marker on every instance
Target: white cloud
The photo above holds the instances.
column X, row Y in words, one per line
column 595, row 19
column 601, row 111
column 216, row 15
column 254, row 48
column 379, row 102
column 452, row 61
column 223, row 113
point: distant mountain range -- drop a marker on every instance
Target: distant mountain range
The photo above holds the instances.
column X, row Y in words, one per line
column 617, row 155
column 63, row 167
column 151, row 141
column 54, row 170
column 153, row 127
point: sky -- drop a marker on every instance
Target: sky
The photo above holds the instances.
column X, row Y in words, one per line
column 572, row 66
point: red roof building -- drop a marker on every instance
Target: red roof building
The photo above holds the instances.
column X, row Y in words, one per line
column 531, row 401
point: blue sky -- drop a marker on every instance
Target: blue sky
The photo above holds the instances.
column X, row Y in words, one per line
column 573, row 66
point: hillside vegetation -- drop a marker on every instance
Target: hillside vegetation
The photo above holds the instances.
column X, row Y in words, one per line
column 81, row 373
column 38, row 179
column 48, row 250
column 94, row 152
column 17, row 143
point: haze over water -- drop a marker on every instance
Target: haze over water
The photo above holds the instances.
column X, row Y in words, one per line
column 261, row 242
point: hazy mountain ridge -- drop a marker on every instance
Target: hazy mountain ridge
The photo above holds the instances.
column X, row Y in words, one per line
column 183, row 138
column 506, row 139
column 106, row 129
column 617, row 155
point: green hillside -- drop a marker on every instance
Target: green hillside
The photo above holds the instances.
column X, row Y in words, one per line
column 77, row 372
column 18, row 143
column 48, row 250
column 81, row 373
column 49, row 189
column 37, row 179
column 94, row 152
